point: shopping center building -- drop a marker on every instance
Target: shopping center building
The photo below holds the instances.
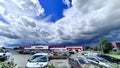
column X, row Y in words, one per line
column 42, row 47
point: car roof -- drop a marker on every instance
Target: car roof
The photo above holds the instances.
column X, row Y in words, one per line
column 41, row 54
column 77, row 58
column 104, row 55
column 91, row 56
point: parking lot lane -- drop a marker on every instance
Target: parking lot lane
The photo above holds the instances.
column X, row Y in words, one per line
column 21, row 60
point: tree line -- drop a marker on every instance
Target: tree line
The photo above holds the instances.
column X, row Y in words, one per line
column 104, row 46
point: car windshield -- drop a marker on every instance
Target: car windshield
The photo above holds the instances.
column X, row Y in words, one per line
column 109, row 57
column 1, row 51
column 91, row 58
column 39, row 58
column 102, row 60
column 83, row 61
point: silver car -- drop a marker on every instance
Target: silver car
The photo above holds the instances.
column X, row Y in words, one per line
column 99, row 61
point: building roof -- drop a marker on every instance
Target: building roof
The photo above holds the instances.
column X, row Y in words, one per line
column 41, row 54
column 118, row 44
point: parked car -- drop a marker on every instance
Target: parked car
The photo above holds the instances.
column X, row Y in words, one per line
column 5, row 58
column 20, row 51
column 72, row 52
column 79, row 62
column 109, row 58
column 84, row 53
column 32, row 52
column 99, row 61
column 50, row 54
column 38, row 60
column 4, row 53
column 26, row 52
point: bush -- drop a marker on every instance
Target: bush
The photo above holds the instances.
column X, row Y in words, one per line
column 58, row 57
column 51, row 66
column 7, row 65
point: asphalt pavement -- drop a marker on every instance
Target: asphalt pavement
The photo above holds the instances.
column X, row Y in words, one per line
column 21, row 60
column 62, row 63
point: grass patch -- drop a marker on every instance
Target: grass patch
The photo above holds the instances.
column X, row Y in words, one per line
column 114, row 55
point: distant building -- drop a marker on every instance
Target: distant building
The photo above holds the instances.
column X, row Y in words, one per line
column 116, row 46
column 42, row 47
column 77, row 48
column 57, row 47
column 36, row 47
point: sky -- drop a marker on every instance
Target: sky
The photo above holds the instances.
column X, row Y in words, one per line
column 58, row 22
column 53, row 9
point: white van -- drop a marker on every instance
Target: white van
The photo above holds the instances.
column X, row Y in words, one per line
column 38, row 60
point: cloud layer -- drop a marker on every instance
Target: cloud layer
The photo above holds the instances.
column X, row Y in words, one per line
column 86, row 21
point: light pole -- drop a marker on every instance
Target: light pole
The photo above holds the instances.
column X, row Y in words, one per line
column 101, row 46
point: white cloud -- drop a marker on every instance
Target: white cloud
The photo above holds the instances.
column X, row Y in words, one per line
column 89, row 20
column 67, row 2
column 86, row 20
column 2, row 24
column 16, row 8
column 2, row 10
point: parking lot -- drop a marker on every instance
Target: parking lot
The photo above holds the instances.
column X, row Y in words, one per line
column 60, row 63
column 21, row 61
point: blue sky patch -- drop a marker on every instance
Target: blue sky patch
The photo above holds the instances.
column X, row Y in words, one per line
column 53, row 9
column 3, row 20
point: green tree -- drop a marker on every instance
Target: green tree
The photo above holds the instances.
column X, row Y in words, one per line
column 88, row 48
column 105, row 46
column 95, row 48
